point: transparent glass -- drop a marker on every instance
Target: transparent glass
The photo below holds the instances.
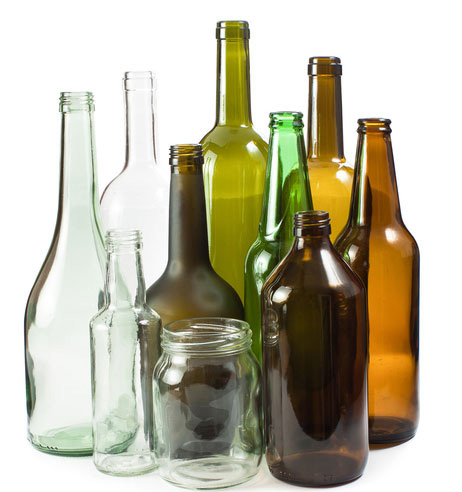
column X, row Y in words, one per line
column 138, row 197
column 380, row 249
column 67, row 292
column 330, row 175
column 207, row 404
column 189, row 287
column 314, row 362
column 287, row 190
column 125, row 346
column 234, row 160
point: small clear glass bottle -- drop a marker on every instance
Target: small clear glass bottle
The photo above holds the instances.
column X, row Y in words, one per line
column 124, row 350
column 207, row 404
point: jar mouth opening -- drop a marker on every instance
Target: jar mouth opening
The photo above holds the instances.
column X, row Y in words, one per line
column 76, row 101
column 325, row 65
column 286, row 119
column 186, row 154
column 206, row 336
column 311, row 222
column 232, row 30
column 139, row 81
column 367, row 125
column 123, row 239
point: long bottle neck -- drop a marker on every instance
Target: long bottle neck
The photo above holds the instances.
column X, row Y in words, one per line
column 233, row 83
column 188, row 242
column 374, row 198
column 325, row 125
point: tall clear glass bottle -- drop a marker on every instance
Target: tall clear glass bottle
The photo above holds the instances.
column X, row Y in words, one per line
column 125, row 346
column 330, row 176
column 235, row 160
column 314, row 362
column 67, row 292
column 189, row 287
column 138, row 197
column 287, row 190
column 383, row 253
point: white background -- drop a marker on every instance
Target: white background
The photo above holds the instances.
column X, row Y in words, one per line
column 401, row 61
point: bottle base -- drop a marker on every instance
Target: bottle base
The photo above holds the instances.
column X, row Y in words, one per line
column 75, row 440
column 214, row 472
column 389, row 430
column 124, row 465
column 317, row 469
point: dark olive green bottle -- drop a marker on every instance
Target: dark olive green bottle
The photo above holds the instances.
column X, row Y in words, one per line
column 314, row 331
column 189, row 287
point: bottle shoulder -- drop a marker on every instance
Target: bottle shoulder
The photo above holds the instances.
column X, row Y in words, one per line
column 225, row 139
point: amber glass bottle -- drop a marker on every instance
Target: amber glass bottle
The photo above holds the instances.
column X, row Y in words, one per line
column 189, row 287
column 330, row 176
column 383, row 253
column 235, row 159
column 314, row 362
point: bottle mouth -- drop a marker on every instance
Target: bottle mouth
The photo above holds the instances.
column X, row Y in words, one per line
column 76, row 101
column 374, row 125
column 312, row 222
column 289, row 119
column 324, row 65
column 233, row 30
column 206, row 337
column 119, row 240
column 139, row 81
column 186, row 154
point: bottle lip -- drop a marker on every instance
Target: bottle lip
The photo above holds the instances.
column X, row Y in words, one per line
column 139, row 81
column 234, row 29
column 312, row 223
column 286, row 119
column 206, row 337
column 123, row 239
column 325, row 65
column 374, row 125
column 186, row 154
column 76, row 101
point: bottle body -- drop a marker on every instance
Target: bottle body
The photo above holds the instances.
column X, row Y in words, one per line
column 125, row 346
column 330, row 176
column 189, row 287
column 138, row 197
column 287, row 190
column 234, row 160
column 385, row 256
column 314, row 364
column 67, row 290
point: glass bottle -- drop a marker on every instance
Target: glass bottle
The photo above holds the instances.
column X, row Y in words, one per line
column 235, row 160
column 330, row 176
column 287, row 190
column 314, row 362
column 207, row 404
column 189, row 287
column 379, row 248
column 138, row 197
column 125, row 346
column 67, row 292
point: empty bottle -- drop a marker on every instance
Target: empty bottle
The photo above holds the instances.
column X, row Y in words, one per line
column 385, row 256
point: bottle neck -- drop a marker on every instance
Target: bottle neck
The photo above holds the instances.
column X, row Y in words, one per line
column 287, row 187
column 309, row 242
column 140, row 129
column 374, row 195
column 325, row 125
column 188, row 241
column 125, row 287
column 233, row 83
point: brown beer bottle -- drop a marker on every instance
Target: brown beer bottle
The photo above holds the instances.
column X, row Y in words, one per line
column 189, row 287
column 379, row 248
column 314, row 362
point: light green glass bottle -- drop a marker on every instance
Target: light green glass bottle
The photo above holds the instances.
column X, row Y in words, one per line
column 234, row 160
column 287, row 190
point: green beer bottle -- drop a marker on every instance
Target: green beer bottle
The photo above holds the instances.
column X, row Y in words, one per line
column 287, row 190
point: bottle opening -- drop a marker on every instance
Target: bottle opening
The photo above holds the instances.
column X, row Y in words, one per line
column 76, row 101
column 325, row 65
column 129, row 239
column 370, row 125
column 139, row 81
column 312, row 222
column 233, row 30
column 205, row 337
column 289, row 119
column 186, row 154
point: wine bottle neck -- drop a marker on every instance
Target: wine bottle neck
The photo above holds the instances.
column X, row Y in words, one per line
column 325, row 126
column 233, row 83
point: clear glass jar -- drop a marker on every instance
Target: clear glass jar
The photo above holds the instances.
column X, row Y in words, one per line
column 207, row 404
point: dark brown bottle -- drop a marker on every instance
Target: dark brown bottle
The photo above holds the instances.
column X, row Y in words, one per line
column 314, row 362
column 189, row 287
column 379, row 248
